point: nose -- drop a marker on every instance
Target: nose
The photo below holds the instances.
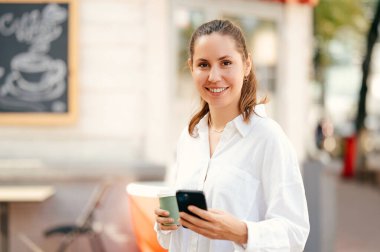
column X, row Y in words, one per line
column 214, row 74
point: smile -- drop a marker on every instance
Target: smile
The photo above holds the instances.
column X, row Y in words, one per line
column 216, row 90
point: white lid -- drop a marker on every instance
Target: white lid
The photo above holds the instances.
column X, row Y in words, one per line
column 166, row 193
column 145, row 189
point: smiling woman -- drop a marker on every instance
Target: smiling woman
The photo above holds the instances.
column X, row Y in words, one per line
column 239, row 157
column 218, row 71
column 222, row 68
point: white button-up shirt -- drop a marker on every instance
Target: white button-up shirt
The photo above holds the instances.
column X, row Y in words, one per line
column 253, row 175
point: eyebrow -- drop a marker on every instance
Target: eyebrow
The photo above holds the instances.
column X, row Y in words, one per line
column 224, row 57
column 221, row 58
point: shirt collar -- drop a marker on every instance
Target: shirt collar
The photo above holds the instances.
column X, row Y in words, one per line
column 238, row 122
column 202, row 126
column 244, row 127
column 241, row 126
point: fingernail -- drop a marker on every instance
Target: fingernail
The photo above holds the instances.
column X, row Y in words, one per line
column 190, row 208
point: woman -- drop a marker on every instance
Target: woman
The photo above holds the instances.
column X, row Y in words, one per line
column 240, row 158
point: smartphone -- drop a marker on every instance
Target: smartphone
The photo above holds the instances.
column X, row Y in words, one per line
column 186, row 198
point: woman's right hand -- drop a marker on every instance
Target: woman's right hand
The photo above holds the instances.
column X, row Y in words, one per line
column 162, row 217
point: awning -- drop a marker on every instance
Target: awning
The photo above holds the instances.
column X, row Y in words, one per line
column 311, row 2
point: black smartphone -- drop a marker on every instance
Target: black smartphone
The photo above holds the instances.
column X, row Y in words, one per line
column 186, row 198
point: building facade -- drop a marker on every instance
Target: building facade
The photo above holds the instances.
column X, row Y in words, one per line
column 134, row 93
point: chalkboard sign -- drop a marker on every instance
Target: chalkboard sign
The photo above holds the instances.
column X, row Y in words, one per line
column 37, row 62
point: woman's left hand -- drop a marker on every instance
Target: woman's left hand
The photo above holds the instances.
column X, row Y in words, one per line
column 215, row 224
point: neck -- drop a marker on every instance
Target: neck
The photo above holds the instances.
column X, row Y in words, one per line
column 220, row 117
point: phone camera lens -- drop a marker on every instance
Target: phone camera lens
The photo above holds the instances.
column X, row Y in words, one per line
column 183, row 197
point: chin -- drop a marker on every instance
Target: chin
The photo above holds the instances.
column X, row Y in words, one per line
column 218, row 105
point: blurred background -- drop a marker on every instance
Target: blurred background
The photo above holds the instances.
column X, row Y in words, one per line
column 94, row 94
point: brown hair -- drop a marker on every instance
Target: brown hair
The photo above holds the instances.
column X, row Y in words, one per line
column 248, row 99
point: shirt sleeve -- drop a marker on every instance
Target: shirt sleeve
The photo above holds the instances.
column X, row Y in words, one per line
column 163, row 236
column 286, row 222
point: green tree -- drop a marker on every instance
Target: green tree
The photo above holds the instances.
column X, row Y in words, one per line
column 372, row 37
column 331, row 17
column 362, row 18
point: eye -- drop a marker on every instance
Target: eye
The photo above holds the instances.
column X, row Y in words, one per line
column 226, row 63
column 202, row 65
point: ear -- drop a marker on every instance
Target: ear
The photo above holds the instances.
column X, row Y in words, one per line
column 190, row 63
column 248, row 65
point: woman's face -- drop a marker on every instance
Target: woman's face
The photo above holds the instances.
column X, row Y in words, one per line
column 218, row 70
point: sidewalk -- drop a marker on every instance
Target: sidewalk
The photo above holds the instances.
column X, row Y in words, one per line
column 358, row 217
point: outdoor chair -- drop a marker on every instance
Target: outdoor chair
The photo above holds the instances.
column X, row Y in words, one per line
column 84, row 224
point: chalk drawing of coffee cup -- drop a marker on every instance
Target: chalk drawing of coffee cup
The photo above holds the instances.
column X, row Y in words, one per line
column 37, row 77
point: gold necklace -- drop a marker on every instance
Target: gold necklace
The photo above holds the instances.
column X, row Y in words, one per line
column 217, row 131
column 212, row 129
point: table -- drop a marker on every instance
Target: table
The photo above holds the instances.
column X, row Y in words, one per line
column 19, row 193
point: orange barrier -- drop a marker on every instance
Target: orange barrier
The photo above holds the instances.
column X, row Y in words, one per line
column 142, row 201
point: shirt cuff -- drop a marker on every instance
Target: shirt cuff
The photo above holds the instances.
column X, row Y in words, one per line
column 157, row 229
column 269, row 235
column 239, row 247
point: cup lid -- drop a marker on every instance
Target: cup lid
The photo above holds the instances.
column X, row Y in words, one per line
column 166, row 193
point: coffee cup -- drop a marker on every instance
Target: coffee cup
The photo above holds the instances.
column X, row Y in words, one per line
column 168, row 202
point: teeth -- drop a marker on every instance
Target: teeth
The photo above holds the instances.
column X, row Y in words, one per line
column 217, row 90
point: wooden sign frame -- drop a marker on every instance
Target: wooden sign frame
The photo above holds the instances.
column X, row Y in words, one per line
column 62, row 111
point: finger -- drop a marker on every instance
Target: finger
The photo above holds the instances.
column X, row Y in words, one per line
column 168, row 227
column 200, row 230
column 201, row 213
column 161, row 212
column 164, row 220
column 196, row 221
column 217, row 211
column 189, row 217
column 187, row 224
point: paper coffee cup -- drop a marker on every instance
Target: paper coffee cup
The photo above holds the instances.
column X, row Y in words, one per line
column 168, row 202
